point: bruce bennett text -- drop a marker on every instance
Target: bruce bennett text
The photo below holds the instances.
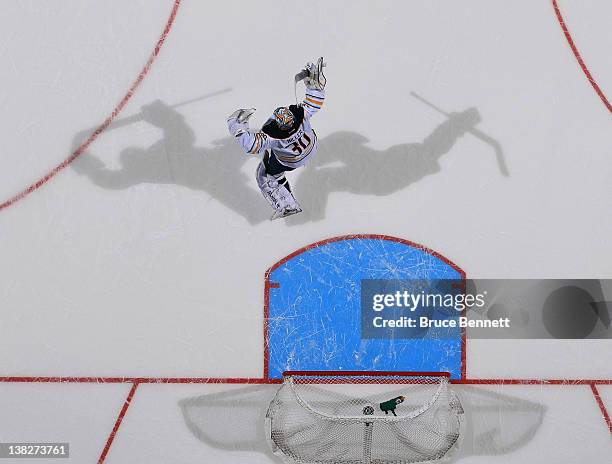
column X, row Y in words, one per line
column 425, row 322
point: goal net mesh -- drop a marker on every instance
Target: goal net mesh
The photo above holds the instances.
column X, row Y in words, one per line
column 364, row 418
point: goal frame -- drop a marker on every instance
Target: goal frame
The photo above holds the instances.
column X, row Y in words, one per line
column 352, row 377
column 293, row 379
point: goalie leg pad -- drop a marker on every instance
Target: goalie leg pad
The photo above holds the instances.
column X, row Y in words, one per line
column 275, row 191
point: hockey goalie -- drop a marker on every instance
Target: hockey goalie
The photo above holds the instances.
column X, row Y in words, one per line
column 286, row 140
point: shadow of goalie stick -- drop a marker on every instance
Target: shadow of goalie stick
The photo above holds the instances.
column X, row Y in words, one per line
column 126, row 121
column 499, row 154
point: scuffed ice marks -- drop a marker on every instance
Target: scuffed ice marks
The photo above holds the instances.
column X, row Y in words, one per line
column 315, row 313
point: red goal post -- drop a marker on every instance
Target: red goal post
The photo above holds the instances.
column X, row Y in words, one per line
column 366, row 377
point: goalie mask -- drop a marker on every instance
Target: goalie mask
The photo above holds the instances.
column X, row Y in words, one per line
column 283, row 117
column 284, row 122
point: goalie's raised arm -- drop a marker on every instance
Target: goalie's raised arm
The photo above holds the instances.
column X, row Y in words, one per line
column 315, row 82
column 313, row 102
column 239, row 120
column 238, row 126
column 315, row 79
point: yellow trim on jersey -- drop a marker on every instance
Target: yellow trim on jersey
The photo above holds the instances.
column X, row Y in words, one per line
column 256, row 144
column 313, row 101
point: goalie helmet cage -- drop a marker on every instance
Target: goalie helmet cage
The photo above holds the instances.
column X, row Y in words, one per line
column 355, row 417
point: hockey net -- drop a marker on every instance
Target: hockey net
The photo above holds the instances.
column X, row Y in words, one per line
column 364, row 417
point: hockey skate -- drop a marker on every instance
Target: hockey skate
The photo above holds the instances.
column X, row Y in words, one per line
column 283, row 213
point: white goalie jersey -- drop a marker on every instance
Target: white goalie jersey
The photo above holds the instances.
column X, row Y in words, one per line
column 291, row 147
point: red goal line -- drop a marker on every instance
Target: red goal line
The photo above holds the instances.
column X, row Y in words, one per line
column 262, row 381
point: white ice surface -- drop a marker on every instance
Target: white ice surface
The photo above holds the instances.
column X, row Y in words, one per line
column 539, row 359
column 206, row 423
column 163, row 278
column 81, row 415
column 589, row 25
column 606, row 394
column 163, row 274
column 65, row 66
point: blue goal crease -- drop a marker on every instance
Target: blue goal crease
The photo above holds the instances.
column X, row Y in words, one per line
column 315, row 314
